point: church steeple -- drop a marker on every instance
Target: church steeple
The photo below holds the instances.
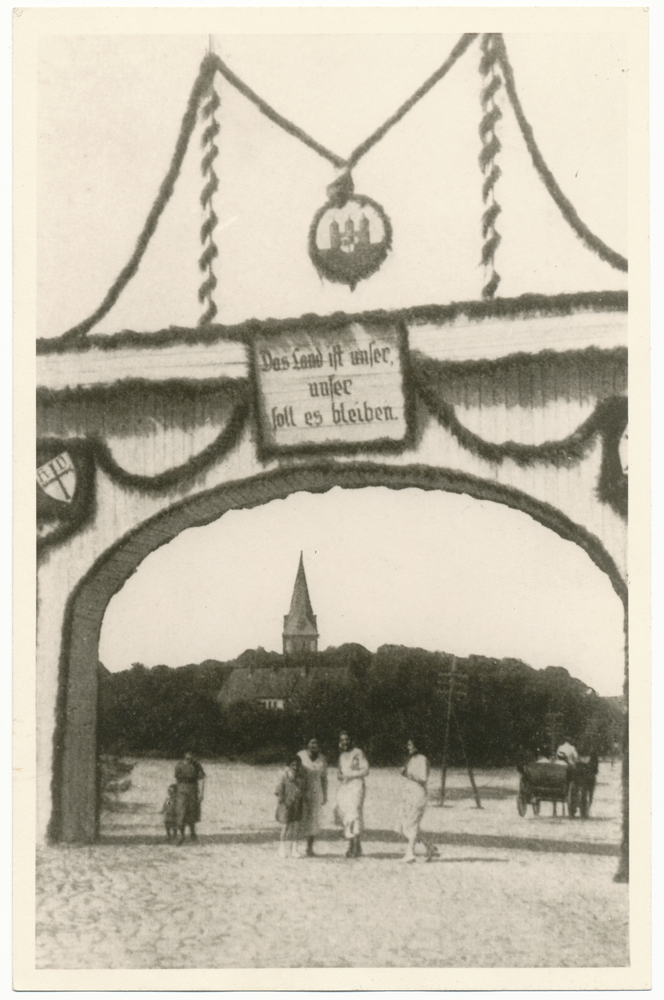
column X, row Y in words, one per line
column 300, row 629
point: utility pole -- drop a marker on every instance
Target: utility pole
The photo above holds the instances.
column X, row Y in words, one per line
column 453, row 687
column 447, row 731
column 476, row 794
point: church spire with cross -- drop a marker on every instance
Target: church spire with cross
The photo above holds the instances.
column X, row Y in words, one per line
column 300, row 629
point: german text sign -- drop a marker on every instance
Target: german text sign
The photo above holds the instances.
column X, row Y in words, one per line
column 332, row 388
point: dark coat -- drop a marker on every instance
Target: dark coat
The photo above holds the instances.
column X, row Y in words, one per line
column 187, row 806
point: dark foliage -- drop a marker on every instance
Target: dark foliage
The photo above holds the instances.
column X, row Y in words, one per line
column 500, row 713
column 114, row 780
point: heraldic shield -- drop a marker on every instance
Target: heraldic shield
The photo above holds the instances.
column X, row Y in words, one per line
column 65, row 488
column 57, row 477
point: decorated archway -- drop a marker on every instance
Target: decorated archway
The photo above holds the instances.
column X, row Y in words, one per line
column 522, row 401
column 75, row 814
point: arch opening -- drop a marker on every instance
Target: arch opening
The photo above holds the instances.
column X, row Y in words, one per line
column 75, row 813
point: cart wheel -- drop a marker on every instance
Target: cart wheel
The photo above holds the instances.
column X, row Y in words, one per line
column 521, row 805
column 536, row 806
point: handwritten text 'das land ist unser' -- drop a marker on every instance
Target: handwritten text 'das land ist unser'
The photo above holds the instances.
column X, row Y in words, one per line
column 328, row 390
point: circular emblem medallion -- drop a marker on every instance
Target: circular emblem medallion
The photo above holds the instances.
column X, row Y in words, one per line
column 349, row 242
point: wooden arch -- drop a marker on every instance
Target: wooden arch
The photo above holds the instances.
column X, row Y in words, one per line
column 75, row 813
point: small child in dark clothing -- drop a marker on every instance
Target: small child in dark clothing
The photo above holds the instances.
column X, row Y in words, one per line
column 168, row 812
column 290, row 795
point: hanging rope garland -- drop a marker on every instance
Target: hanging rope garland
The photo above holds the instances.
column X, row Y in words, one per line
column 491, row 115
column 353, row 231
column 210, row 251
column 166, row 189
column 351, row 235
column 567, row 209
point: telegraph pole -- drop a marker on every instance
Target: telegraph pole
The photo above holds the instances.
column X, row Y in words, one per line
column 454, row 686
column 447, row 731
column 476, row 794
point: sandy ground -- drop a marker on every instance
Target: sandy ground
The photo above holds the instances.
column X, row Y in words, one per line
column 505, row 892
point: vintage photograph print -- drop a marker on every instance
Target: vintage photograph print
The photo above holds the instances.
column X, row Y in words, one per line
column 332, row 502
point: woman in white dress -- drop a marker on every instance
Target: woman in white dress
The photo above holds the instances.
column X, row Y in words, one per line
column 353, row 769
column 414, row 801
column 315, row 792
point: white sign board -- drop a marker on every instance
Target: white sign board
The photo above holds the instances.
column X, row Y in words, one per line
column 340, row 387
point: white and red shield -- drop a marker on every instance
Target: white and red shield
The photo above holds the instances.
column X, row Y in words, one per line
column 57, row 477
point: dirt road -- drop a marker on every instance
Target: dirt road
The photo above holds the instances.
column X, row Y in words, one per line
column 505, row 891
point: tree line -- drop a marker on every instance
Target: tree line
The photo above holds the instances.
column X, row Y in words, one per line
column 501, row 712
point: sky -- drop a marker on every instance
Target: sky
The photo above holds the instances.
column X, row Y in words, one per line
column 485, row 579
column 428, row 569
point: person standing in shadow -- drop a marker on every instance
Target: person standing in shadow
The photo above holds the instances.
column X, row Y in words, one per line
column 290, row 793
column 190, row 782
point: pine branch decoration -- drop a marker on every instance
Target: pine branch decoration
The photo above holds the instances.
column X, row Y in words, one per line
column 210, row 251
column 491, row 115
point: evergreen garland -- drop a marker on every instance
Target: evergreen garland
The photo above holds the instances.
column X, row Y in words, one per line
column 113, row 405
column 93, row 451
column 522, row 306
column 525, row 379
column 608, row 421
column 494, row 52
column 437, row 385
column 567, row 210
column 424, row 379
column 491, row 172
column 567, row 452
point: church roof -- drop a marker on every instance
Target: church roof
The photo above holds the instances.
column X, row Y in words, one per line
column 264, row 682
column 286, row 683
column 301, row 619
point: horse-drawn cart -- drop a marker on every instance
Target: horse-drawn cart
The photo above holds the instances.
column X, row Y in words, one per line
column 544, row 783
column 570, row 784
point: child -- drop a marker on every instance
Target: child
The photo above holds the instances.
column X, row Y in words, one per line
column 168, row 812
column 290, row 795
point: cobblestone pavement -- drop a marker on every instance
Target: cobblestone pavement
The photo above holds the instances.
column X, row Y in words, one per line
column 505, row 892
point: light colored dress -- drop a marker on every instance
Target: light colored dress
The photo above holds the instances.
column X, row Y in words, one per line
column 414, row 799
column 354, row 766
column 315, row 789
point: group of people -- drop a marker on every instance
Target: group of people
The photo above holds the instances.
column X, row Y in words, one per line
column 182, row 808
column 302, row 792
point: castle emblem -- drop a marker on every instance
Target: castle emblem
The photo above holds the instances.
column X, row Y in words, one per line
column 349, row 239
